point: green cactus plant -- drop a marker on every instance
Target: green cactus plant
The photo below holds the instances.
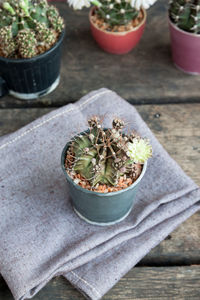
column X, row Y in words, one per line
column 115, row 15
column 117, row 12
column 101, row 155
column 185, row 14
column 28, row 27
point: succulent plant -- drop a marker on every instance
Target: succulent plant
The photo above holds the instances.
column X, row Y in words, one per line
column 185, row 14
column 114, row 12
column 102, row 155
column 28, row 27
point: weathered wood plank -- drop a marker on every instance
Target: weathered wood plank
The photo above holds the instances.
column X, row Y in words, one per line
column 146, row 75
column 158, row 283
column 178, row 129
column 176, row 126
column 181, row 247
column 147, row 283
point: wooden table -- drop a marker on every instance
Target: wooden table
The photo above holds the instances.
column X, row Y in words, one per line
column 169, row 102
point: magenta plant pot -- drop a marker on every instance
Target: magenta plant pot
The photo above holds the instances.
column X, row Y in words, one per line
column 185, row 49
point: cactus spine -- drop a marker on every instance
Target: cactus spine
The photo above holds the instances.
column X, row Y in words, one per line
column 185, row 14
column 28, row 27
column 101, row 155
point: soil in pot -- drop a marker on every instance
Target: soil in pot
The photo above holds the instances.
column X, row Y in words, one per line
column 123, row 182
column 101, row 24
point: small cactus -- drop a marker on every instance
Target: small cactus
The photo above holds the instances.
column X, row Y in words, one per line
column 115, row 12
column 28, row 27
column 7, row 45
column 101, row 155
column 185, row 14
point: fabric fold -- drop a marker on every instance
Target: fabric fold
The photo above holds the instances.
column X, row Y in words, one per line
column 117, row 262
column 40, row 235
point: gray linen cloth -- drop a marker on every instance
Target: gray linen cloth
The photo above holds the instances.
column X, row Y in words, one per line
column 40, row 235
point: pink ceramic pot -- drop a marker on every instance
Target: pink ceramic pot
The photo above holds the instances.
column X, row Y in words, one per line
column 185, row 49
column 117, row 42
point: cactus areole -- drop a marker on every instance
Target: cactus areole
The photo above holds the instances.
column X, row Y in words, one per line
column 28, row 28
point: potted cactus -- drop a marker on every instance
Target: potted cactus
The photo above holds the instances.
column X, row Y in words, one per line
column 116, row 25
column 184, row 24
column 103, row 168
column 31, row 33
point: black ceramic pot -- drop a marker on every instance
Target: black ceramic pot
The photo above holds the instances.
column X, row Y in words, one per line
column 101, row 208
column 32, row 77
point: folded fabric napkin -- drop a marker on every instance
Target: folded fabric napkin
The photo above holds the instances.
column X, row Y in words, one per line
column 41, row 236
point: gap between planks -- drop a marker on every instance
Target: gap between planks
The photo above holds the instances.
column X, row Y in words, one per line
column 40, row 103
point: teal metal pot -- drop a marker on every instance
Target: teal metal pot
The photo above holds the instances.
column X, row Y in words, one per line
column 101, row 208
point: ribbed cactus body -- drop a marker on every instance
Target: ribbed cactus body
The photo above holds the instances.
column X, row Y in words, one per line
column 35, row 27
column 55, row 19
column 8, row 45
column 27, row 43
column 186, row 14
column 92, row 160
column 117, row 12
column 101, row 155
column 46, row 36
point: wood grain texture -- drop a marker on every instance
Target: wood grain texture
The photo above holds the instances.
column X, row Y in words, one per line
column 146, row 75
column 150, row 283
column 177, row 126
